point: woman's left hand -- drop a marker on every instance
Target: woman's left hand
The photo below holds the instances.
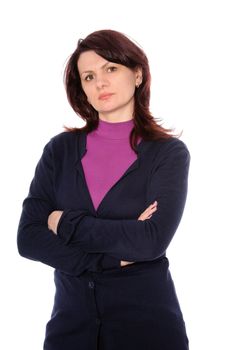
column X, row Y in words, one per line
column 53, row 220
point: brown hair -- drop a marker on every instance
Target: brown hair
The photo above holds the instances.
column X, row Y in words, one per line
column 114, row 47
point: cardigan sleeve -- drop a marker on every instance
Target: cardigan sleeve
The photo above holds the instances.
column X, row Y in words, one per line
column 36, row 242
column 133, row 239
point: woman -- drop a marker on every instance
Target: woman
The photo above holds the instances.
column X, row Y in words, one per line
column 103, row 206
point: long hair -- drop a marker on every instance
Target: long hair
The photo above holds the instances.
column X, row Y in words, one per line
column 118, row 48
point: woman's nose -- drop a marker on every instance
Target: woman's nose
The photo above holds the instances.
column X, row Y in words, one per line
column 101, row 81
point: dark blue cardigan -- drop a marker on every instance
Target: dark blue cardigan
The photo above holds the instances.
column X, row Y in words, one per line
column 88, row 238
column 92, row 242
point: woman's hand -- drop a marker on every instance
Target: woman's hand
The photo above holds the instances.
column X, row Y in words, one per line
column 147, row 214
column 53, row 220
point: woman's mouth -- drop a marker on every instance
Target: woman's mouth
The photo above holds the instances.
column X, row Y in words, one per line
column 105, row 96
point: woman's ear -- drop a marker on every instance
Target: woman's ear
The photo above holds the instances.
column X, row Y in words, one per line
column 138, row 76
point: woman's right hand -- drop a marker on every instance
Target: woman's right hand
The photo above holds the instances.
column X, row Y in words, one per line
column 146, row 214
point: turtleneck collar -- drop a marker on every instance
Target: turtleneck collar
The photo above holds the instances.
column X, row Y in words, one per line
column 114, row 130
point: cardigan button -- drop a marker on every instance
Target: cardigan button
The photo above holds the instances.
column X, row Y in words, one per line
column 98, row 321
column 91, row 284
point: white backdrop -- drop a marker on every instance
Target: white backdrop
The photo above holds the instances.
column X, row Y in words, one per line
column 188, row 44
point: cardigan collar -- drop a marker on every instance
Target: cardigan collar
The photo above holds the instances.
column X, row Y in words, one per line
column 81, row 150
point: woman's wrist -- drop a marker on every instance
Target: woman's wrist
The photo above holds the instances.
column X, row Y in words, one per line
column 53, row 220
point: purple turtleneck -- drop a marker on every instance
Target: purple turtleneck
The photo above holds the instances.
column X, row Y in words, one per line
column 108, row 156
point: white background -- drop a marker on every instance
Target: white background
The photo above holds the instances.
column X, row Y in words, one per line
column 188, row 44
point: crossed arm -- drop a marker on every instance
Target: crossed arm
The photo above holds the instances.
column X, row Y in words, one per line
column 37, row 242
column 134, row 239
column 84, row 241
column 55, row 216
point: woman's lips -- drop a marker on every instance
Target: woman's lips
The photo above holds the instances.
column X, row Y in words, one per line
column 104, row 96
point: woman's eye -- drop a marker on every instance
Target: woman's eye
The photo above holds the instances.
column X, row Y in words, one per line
column 111, row 68
column 88, row 76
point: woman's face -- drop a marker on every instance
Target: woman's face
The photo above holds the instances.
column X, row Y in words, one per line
column 109, row 87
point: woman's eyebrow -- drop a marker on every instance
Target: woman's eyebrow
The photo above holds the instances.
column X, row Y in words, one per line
column 90, row 71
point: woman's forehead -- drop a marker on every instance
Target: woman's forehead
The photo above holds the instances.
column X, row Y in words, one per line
column 90, row 61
